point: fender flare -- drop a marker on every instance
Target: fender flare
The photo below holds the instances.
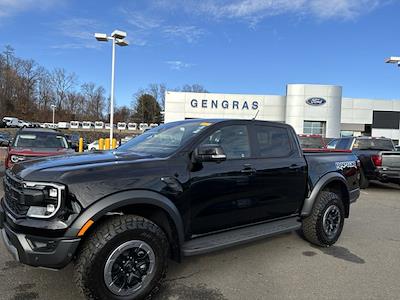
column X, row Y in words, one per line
column 319, row 186
column 131, row 197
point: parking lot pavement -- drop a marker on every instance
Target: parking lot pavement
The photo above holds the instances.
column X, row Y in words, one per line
column 364, row 264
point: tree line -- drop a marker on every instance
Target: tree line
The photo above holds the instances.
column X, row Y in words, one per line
column 28, row 90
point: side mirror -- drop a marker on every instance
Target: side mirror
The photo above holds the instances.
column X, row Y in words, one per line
column 209, row 152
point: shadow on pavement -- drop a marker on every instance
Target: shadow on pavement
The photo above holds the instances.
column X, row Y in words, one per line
column 380, row 185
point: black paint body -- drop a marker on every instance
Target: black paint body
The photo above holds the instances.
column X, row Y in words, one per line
column 199, row 197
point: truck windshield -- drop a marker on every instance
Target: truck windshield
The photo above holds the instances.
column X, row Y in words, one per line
column 165, row 139
column 373, row 144
column 40, row 140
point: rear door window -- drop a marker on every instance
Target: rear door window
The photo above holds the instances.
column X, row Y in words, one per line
column 272, row 141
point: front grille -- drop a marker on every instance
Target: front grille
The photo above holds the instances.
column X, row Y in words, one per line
column 14, row 195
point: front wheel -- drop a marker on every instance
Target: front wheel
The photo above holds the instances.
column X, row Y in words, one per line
column 324, row 226
column 125, row 258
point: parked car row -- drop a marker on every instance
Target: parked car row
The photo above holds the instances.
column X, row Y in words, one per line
column 102, row 125
column 378, row 156
column 16, row 123
column 13, row 122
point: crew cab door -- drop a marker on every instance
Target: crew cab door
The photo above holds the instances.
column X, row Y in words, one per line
column 221, row 192
column 281, row 171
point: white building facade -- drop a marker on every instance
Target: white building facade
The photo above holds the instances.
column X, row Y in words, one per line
column 309, row 108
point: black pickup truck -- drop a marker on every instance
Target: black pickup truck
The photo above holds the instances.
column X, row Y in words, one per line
column 378, row 157
column 181, row 189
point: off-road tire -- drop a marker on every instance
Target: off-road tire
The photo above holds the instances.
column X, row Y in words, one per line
column 91, row 259
column 364, row 182
column 313, row 224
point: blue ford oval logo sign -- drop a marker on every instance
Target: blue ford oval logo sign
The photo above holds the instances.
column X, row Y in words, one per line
column 316, row 101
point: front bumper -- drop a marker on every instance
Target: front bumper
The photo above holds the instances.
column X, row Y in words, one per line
column 37, row 251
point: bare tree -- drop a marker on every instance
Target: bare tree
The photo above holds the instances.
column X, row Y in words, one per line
column 95, row 100
column 157, row 90
column 122, row 114
column 28, row 75
column 45, row 93
column 63, row 83
column 194, row 88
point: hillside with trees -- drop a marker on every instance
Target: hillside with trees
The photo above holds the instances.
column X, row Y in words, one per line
column 27, row 91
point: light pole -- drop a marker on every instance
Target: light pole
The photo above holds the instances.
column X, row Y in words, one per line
column 117, row 38
column 393, row 60
column 53, row 107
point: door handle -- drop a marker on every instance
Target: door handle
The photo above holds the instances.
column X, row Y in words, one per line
column 294, row 166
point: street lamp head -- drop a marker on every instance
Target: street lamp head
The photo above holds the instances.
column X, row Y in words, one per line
column 52, row 106
column 121, row 42
column 101, row 37
column 118, row 34
column 393, row 60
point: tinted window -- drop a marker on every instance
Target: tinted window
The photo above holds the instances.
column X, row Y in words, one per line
column 386, row 119
column 343, row 144
column 233, row 139
column 272, row 141
column 373, row 144
column 308, row 142
column 332, row 144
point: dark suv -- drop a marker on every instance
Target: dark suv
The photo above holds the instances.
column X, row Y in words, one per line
column 180, row 189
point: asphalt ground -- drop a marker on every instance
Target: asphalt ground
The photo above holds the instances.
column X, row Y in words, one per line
column 364, row 264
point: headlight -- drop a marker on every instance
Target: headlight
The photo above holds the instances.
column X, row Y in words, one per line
column 16, row 158
column 44, row 199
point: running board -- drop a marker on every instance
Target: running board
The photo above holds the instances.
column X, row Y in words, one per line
column 221, row 240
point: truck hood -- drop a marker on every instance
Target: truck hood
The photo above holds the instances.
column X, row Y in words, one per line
column 59, row 165
column 39, row 152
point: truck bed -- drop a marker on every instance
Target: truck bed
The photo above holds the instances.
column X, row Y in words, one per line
column 320, row 163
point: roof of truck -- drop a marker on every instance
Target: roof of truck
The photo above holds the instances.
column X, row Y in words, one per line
column 43, row 130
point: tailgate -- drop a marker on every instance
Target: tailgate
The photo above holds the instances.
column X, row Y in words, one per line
column 391, row 159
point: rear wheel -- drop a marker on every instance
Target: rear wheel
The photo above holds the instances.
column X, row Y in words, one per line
column 125, row 258
column 324, row 226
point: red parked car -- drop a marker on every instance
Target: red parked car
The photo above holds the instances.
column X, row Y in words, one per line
column 32, row 143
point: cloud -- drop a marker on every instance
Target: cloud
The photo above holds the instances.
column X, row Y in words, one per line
column 10, row 8
column 178, row 65
column 189, row 33
column 80, row 33
column 344, row 9
column 141, row 21
column 254, row 11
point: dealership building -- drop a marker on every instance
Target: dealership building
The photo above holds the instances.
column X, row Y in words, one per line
column 309, row 108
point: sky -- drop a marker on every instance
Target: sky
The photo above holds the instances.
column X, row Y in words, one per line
column 237, row 46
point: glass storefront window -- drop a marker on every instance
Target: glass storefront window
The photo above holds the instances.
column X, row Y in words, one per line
column 314, row 127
